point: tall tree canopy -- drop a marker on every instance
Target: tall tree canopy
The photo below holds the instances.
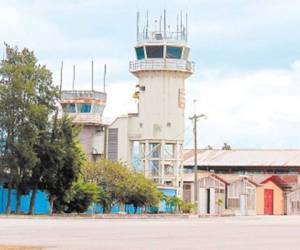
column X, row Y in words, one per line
column 27, row 98
column 39, row 149
column 117, row 184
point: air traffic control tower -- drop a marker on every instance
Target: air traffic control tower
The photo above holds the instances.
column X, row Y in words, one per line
column 86, row 108
column 151, row 140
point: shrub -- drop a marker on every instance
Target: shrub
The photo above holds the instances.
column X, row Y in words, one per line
column 81, row 196
column 188, row 207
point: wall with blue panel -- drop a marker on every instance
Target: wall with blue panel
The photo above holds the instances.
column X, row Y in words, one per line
column 41, row 205
column 162, row 206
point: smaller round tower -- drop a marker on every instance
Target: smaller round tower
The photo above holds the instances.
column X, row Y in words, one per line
column 86, row 108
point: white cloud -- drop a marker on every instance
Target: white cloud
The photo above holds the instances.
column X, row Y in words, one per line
column 261, row 106
column 257, row 108
column 120, row 101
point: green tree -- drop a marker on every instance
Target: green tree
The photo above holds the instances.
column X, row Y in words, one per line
column 26, row 97
column 80, row 197
column 111, row 177
column 119, row 185
column 141, row 192
column 63, row 162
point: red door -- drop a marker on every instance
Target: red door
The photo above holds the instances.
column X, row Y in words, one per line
column 268, row 201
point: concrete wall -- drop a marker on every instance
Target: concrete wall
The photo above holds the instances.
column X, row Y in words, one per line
column 278, row 200
column 160, row 115
column 86, row 136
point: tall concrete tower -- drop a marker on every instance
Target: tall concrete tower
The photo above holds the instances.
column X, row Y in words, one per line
column 151, row 140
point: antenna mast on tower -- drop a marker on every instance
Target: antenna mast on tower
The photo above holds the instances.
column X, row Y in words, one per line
column 92, row 75
column 137, row 25
column 104, row 78
column 61, row 77
column 73, row 82
column 186, row 26
column 165, row 23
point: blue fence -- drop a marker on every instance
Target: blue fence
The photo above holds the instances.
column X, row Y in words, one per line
column 41, row 205
column 41, row 201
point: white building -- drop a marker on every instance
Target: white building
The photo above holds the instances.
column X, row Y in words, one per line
column 151, row 140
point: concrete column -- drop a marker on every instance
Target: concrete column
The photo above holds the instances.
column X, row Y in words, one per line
column 130, row 154
column 146, row 166
column 286, row 206
column 178, row 168
column 162, row 162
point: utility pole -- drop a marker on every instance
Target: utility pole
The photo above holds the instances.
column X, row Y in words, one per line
column 195, row 119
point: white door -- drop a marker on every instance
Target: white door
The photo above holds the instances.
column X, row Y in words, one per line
column 212, row 199
column 243, row 204
column 202, row 201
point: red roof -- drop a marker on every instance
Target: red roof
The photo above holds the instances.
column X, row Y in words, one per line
column 276, row 180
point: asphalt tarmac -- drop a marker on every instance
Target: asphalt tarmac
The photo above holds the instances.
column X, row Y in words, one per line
column 241, row 233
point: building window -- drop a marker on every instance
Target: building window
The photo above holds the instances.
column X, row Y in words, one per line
column 154, row 149
column 169, row 150
column 174, row 52
column 136, row 161
column 155, row 51
column 154, row 167
column 96, row 108
column 169, row 169
column 140, row 54
column 84, row 108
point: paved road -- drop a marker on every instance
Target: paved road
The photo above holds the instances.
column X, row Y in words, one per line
column 230, row 233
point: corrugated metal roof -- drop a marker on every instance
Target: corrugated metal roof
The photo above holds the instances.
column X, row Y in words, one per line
column 256, row 179
column 244, row 157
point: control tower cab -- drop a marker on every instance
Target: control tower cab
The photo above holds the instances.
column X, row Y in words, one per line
column 154, row 135
column 86, row 108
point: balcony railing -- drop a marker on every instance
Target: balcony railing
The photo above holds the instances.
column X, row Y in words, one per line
column 83, row 94
column 158, row 37
column 86, row 118
column 162, row 64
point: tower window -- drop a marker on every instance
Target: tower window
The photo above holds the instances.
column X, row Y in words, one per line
column 140, row 54
column 96, row 108
column 84, row 108
column 69, row 108
column 174, row 52
column 155, row 51
column 186, row 53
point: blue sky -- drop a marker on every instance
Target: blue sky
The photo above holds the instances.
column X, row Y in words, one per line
column 247, row 56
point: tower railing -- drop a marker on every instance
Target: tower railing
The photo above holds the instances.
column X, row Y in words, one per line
column 158, row 36
column 162, row 64
column 82, row 94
